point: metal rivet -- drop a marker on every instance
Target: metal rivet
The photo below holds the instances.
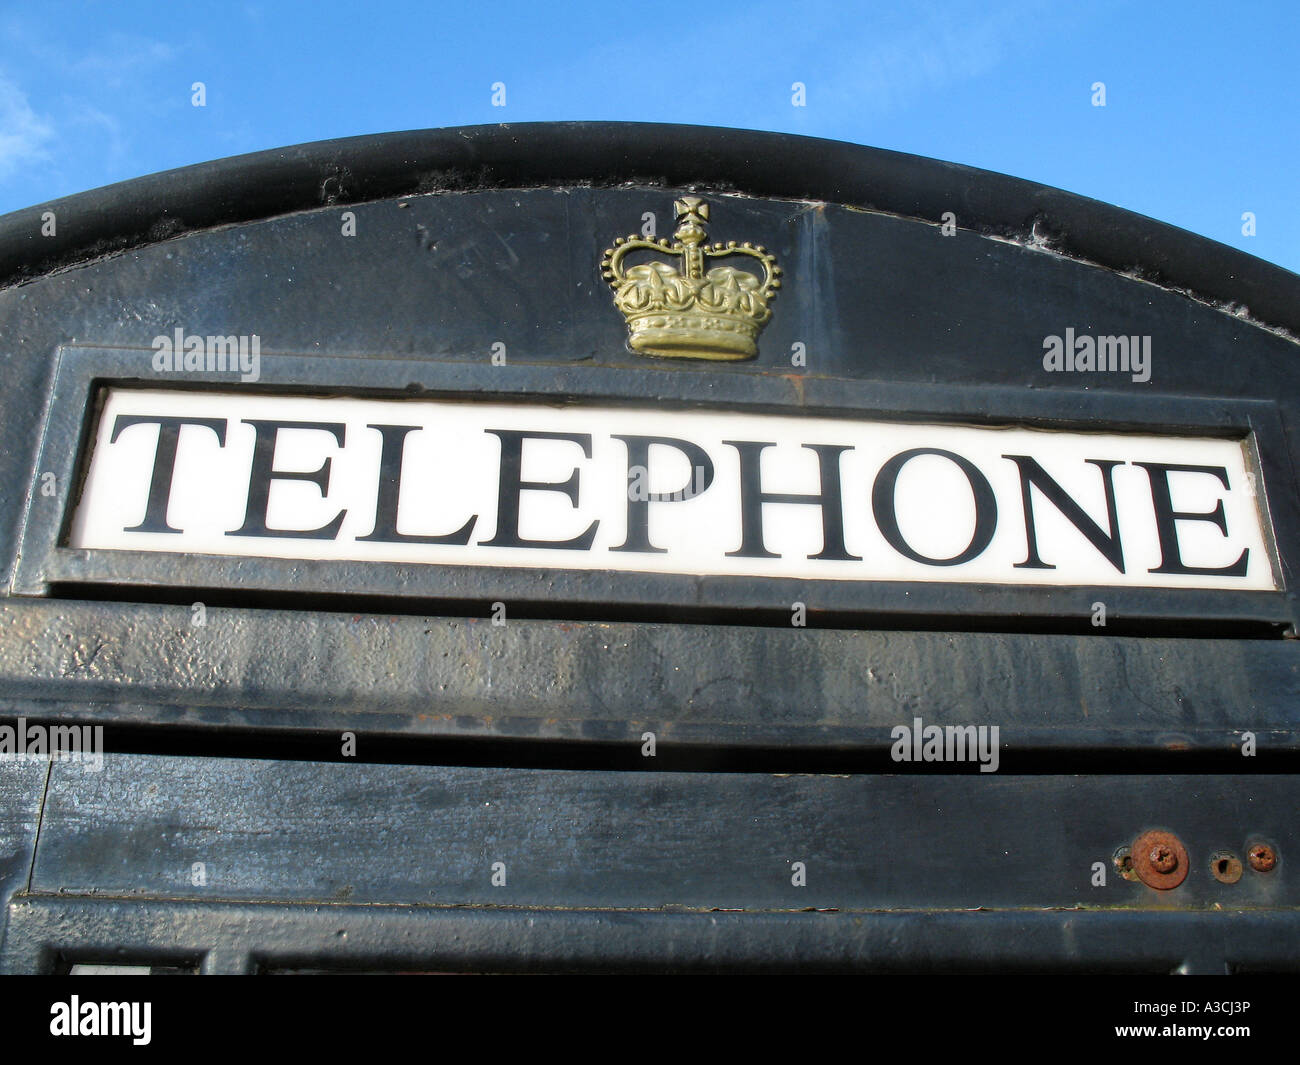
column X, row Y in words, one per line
column 1160, row 860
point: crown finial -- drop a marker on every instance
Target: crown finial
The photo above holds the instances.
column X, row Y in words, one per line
column 692, row 312
column 692, row 214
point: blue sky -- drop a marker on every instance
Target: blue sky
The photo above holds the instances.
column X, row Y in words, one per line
column 1201, row 123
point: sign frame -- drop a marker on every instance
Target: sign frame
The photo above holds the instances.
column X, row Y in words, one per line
column 47, row 566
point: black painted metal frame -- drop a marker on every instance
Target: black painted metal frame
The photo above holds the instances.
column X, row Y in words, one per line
column 45, row 561
column 619, row 870
column 537, row 154
column 49, row 934
column 296, row 660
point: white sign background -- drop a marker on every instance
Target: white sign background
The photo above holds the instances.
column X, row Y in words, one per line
column 451, row 472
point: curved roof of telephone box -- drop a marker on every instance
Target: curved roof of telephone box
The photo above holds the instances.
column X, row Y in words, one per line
column 260, row 185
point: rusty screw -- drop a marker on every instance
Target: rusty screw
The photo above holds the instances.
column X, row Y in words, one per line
column 1159, row 860
column 1163, row 859
column 1262, row 858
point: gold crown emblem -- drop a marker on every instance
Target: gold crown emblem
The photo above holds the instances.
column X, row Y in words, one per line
column 691, row 313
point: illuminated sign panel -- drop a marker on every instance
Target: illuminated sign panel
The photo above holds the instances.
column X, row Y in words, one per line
column 667, row 491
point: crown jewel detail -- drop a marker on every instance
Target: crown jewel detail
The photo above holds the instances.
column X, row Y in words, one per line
column 692, row 312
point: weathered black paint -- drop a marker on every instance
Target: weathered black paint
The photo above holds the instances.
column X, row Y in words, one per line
column 468, row 238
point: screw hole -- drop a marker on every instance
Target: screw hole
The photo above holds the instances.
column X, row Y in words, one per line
column 1225, row 868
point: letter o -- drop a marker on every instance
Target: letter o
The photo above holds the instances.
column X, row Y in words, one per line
column 886, row 513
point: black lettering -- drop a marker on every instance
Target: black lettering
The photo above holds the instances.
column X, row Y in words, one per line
column 164, row 462
column 1032, row 475
column 390, row 487
column 638, row 509
column 884, row 506
column 752, row 498
column 1167, row 520
column 262, row 473
column 510, row 487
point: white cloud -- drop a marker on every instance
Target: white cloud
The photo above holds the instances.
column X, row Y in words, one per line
column 23, row 133
column 887, row 66
column 858, row 61
column 117, row 60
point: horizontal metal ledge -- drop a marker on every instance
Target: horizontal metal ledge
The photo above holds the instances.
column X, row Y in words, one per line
column 46, row 934
column 384, row 587
column 262, row 830
column 403, row 678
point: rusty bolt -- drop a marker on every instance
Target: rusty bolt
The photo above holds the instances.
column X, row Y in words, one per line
column 1262, row 858
column 1160, row 860
column 1163, row 858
